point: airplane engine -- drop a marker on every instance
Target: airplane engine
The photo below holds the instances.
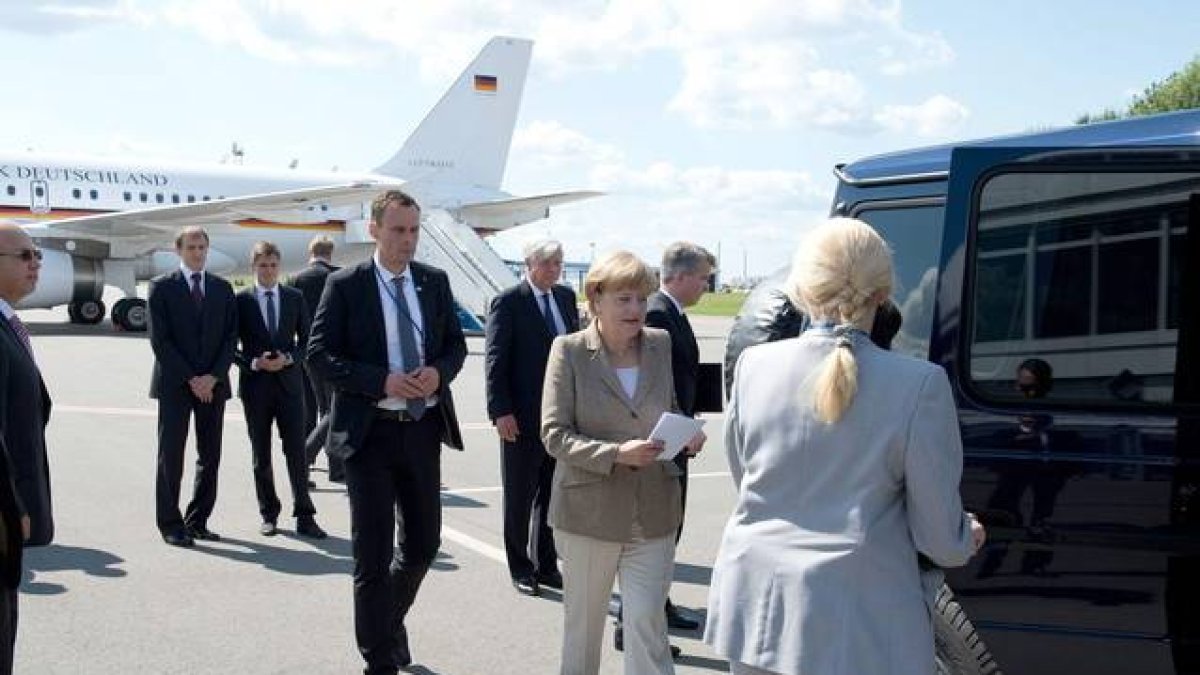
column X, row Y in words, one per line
column 67, row 279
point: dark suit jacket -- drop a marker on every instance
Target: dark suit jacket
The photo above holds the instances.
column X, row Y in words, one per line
column 348, row 350
column 290, row 340
column 10, row 517
column 311, row 282
column 517, row 346
column 24, row 413
column 186, row 342
column 685, row 353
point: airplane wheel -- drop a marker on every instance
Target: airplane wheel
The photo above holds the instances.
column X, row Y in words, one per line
column 134, row 316
column 86, row 312
column 118, row 313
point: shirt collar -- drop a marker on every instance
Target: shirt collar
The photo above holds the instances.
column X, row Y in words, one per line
column 388, row 274
column 260, row 289
column 678, row 307
column 537, row 291
column 188, row 272
column 6, row 309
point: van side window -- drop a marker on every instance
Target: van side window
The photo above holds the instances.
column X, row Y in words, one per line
column 913, row 228
column 1075, row 289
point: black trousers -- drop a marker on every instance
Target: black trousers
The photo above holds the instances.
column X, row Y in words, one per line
column 316, row 425
column 266, row 404
column 397, row 472
column 173, row 416
column 526, row 471
column 8, row 629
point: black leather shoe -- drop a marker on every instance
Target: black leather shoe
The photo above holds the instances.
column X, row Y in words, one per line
column 267, row 529
column 619, row 643
column 550, row 580
column 202, row 533
column 306, row 526
column 527, row 586
column 675, row 619
column 178, row 538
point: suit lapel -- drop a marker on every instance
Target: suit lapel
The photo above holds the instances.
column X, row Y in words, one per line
column 647, row 360
column 368, row 280
column 425, row 300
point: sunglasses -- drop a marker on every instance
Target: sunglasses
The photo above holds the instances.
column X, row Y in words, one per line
column 25, row 254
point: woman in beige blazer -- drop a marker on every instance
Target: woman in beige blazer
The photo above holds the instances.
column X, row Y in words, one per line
column 614, row 507
column 847, row 460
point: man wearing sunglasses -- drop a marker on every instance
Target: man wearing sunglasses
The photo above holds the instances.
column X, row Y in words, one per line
column 24, row 412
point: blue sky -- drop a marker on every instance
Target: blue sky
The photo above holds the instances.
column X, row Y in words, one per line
column 711, row 121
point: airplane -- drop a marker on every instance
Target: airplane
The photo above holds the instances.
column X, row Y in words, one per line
column 103, row 222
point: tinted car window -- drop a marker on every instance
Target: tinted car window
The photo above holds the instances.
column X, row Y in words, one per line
column 915, row 234
column 1076, row 283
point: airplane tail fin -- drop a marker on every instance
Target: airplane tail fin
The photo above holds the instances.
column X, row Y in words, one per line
column 464, row 139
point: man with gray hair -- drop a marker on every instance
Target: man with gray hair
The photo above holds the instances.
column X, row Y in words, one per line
column 522, row 322
column 686, row 268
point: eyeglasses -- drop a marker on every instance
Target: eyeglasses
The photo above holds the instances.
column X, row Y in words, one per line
column 25, row 254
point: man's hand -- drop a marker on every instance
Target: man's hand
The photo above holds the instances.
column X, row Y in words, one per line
column 506, row 427
column 202, row 387
column 402, row 385
column 638, row 453
column 428, row 380
column 695, row 445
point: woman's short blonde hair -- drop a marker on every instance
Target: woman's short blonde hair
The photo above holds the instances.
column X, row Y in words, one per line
column 619, row 271
column 839, row 273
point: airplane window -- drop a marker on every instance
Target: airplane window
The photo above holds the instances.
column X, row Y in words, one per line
column 12, row 190
column 128, row 197
column 191, row 199
column 76, row 193
column 205, row 197
column 174, row 199
column 93, row 194
column 158, row 198
column 143, row 196
column 39, row 191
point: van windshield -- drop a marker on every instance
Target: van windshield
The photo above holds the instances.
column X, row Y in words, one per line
column 914, row 231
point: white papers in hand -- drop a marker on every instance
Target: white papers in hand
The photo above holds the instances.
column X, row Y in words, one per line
column 674, row 431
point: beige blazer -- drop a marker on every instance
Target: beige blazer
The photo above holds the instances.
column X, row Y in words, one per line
column 586, row 415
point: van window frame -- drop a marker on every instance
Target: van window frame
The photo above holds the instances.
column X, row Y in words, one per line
column 1123, row 163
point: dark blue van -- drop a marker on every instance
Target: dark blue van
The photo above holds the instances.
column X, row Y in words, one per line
column 1056, row 277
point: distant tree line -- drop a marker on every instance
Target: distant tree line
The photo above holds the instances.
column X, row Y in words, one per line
column 1179, row 91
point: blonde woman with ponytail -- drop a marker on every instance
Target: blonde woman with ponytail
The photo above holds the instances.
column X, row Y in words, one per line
column 847, row 460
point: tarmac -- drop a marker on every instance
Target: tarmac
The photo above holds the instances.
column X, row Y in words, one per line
column 108, row 596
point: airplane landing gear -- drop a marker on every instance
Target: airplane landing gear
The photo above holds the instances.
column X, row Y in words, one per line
column 87, row 312
column 131, row 314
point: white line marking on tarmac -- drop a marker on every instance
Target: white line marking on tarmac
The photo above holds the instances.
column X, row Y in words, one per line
column 482, row 548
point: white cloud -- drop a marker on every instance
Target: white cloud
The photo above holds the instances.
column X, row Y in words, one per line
column 939, row 116
column 776, row 62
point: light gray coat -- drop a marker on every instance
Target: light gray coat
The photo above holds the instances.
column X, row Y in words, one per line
column 817, row 571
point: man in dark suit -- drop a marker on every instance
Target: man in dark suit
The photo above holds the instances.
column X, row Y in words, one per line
column 684, row 276
column 522, row 323
column 273, row 329
column 26, row 518
column 387, row 339
column 193, row 327
column 311, row 282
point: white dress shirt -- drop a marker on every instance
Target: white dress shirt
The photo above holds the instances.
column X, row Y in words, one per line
column 538, row 294
column 394, row 323
column 187, row 276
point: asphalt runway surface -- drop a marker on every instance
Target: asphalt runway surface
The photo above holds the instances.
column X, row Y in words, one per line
column 108, row 596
